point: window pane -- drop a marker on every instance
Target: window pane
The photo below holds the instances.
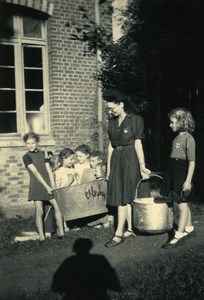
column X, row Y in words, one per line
column 8, row 123
column 34, row 101
column 33, row 79
column 7, row 78
column 35, row 122
column 6, row 25
column 31, row 27
column 6, row 55
column 32, row 57
column 7, row 100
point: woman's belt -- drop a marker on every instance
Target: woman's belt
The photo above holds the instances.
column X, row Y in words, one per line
column 120, row 147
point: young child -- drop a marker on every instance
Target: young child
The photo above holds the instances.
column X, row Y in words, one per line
column 96, row 163
column 95, row 158
column 41, row 183
column 82, row 154
column 178, row 182
column 100, row 171
column 64, row 175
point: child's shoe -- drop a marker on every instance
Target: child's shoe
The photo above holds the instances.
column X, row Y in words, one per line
column 177, row 240
column 190, row 231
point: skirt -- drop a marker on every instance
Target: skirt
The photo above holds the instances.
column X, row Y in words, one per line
column 124, row 177
column 174, row 179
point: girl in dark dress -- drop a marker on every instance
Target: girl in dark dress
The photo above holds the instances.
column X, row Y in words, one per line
column 126, row 163
column 178, row 180
column 41, row 183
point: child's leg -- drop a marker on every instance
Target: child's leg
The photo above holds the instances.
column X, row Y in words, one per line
column 39, row 219
column 189, row 226
column 183, row 216
column 58, row 216
column 180, row 233
column 189, row 220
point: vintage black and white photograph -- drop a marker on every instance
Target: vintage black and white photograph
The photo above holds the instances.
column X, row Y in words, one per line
column 101, row 149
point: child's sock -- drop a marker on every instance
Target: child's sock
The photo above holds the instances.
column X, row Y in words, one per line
column 189, row 229
column 178, row 235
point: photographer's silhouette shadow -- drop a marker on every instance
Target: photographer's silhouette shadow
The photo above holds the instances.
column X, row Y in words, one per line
column 85, row 275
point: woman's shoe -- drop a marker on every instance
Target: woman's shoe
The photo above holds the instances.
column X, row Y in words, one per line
column 128, row 233
column 113, row 243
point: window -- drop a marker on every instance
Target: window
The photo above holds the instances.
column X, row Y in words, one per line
column 23, row 75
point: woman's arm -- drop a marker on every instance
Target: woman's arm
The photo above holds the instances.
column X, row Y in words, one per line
column 187, row 184
column 110, row 150
column 140, row 154
column 40, row 178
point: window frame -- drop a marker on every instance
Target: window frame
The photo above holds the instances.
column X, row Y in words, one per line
column 19, row 43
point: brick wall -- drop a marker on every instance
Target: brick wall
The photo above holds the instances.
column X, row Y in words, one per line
column 73, row 106
column 73, row 102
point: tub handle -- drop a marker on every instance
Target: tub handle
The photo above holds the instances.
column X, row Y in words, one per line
column 151, row 175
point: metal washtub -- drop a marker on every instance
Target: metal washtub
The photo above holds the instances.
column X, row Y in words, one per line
column 82, row 200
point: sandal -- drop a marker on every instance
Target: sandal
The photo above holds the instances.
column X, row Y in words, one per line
column 130, row 234
column 113, row 243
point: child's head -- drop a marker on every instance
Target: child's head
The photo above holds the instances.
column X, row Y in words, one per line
column 50, row 154
column 66, row 158
column 100, row 171
column 95, row 158
column 181, row 120
column 54, row 162
column 82, row 153
column 31, row 139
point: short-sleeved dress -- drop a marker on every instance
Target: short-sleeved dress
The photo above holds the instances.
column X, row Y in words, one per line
column 183, row 151
column 36, row 189
column 124, row 165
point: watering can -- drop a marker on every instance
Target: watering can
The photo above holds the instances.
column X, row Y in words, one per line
column 152, row 214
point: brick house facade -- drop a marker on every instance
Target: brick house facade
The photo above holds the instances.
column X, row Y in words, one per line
column 61, row 79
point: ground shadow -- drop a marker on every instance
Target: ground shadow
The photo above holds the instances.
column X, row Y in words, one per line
column 85, row 275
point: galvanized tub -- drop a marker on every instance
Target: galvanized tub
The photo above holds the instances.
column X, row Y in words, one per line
column 82, row 200
column 153, row 215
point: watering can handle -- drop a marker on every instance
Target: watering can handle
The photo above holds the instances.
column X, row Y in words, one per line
column 151, row 175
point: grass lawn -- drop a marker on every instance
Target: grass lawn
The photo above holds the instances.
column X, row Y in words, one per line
column 139, row 266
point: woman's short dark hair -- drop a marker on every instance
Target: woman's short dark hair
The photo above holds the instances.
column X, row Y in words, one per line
column 116, row 96
column 113, row 95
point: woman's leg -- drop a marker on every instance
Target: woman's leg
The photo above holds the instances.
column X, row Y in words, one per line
column 129, row 231
column 39, row 219
column 58, row 216
column 122, row 218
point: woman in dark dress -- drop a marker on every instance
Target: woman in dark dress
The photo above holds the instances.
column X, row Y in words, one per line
column 126, row 163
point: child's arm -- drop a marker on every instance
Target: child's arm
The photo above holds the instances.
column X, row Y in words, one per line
column 110, row 150
column 52, row 181
column 140, row 154
column 187, row 184
column 70, row 179
column 40, row 178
